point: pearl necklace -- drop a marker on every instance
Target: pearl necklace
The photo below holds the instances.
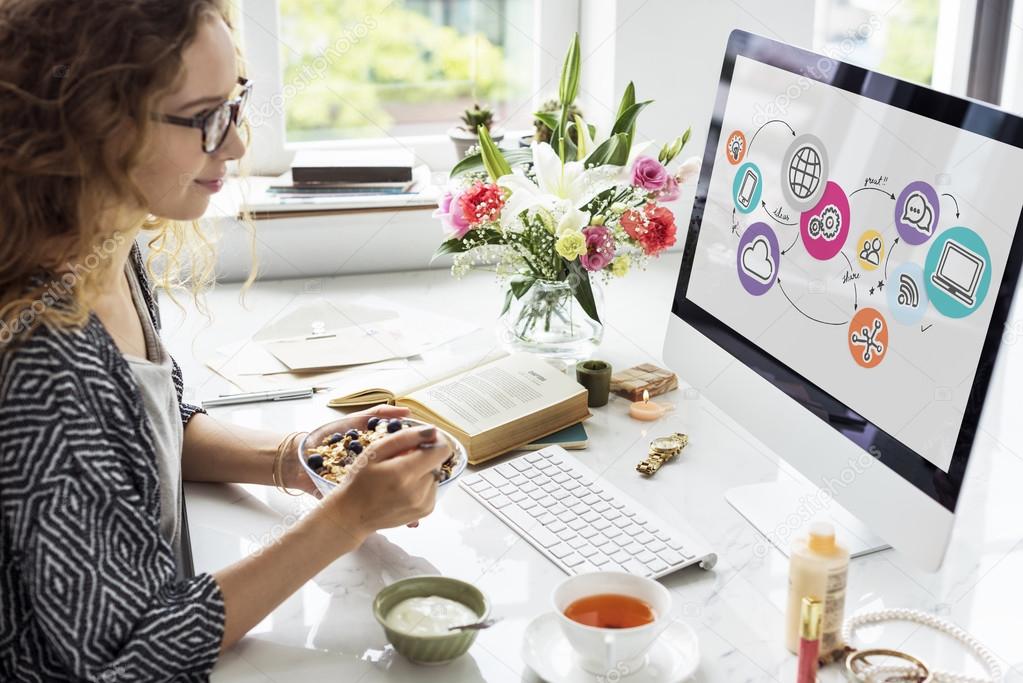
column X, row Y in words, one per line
column 870, row 673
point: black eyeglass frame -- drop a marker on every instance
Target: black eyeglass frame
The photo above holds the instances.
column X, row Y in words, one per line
column 201, row 120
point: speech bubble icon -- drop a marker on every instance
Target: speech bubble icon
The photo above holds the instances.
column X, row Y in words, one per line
column 918, row 212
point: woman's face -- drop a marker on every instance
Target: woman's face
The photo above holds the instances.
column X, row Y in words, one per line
column 178, row 178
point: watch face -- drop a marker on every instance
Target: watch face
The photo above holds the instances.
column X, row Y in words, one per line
column 665, row 443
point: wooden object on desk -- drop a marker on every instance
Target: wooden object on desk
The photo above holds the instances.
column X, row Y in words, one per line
column 633, row 382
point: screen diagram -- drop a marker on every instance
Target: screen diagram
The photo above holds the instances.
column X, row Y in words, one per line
column 857, row 243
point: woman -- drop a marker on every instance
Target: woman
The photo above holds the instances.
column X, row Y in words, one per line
column 117, row 116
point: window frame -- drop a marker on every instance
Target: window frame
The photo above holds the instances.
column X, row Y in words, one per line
column 270, row 154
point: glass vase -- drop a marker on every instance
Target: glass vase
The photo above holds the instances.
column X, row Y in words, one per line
column 548, row 320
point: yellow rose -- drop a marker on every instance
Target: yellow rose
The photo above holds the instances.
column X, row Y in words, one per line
column 620, row 266
column 571, row 245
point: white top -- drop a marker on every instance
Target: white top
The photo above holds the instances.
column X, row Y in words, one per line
column 153, row 374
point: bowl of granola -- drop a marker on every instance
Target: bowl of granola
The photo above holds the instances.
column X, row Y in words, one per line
column 329, row 454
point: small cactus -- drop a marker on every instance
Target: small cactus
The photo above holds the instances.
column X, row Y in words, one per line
column 476, row 117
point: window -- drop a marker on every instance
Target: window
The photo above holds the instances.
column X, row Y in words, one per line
column 898, row 38
column 403, row 67
column 375, row 73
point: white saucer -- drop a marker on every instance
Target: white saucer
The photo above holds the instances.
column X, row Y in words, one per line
column 673, row 657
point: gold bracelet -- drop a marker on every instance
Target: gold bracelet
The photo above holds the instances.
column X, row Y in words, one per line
column 276, row 475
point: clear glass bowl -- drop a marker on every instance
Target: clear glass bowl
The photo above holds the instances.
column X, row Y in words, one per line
column 315, row 437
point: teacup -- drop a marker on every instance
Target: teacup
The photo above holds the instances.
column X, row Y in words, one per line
column 603, row 650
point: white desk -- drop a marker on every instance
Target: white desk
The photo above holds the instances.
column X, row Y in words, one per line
column 321, row 633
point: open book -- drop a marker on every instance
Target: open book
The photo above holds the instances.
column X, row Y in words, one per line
column 493, row 408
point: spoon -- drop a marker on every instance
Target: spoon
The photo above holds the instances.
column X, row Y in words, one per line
column 478, row 626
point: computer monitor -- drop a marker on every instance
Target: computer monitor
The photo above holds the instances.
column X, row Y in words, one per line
column 851, row 259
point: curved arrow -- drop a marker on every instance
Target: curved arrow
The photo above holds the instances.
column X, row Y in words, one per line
column 856, row 295
column 789, row 248
column 763, row 205
column 877, row 189
column 888, row 256
column 750, row 145
column 810, row 317
column 954, row 201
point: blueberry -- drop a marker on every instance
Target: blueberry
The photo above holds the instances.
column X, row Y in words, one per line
column 371, row 425
column 315, row 462
column 354, row 433
column 335, row 437
column 394, row 425
column 355, row 447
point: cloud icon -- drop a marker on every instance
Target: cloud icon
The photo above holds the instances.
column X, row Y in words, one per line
column 757, row 261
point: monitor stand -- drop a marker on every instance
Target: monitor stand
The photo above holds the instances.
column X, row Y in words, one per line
column 783, row 510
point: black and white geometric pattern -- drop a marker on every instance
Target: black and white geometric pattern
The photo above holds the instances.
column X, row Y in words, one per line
column 87, row 582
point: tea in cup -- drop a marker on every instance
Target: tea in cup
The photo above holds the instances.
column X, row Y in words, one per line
column 611, row 619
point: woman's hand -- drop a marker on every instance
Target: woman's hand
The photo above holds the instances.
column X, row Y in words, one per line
column 391, row 483
column 295, row 476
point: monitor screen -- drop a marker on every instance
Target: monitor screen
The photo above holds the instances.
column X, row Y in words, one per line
column 852, row 239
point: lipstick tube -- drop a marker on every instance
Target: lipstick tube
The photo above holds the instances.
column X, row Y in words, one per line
column 810, row 613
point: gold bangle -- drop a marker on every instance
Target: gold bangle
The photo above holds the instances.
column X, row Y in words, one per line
column 276, row 474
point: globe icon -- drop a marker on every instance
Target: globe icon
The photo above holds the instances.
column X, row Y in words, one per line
column 805, row 172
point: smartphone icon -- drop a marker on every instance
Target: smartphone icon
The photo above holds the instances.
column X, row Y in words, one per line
column 749, row 186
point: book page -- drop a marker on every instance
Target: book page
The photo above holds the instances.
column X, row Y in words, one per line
column 497, row 393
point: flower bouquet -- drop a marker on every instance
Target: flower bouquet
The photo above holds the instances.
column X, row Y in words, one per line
column 555, row 215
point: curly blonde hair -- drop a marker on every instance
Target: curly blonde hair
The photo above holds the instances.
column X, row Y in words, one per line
column 72, row 74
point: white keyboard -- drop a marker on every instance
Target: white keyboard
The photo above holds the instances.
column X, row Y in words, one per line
column 580, row 523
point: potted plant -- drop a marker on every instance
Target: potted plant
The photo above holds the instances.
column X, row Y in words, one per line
column 547, row 118
column 466, row 136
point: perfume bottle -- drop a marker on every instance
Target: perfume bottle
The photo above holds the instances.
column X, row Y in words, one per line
column 818, row 569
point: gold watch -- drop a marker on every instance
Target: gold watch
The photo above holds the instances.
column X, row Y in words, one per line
column 662, row 449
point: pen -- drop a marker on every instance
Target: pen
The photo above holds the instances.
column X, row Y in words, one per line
column 260, row 396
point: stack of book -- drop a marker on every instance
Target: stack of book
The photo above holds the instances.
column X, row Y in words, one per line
column 333, row 173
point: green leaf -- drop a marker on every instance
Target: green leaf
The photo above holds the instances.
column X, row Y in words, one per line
column 507, row 301
column 493, row 161
column 547, row 118
column 613, row 151
column 514, row 157
column 568, row 88
column 451, row 246
column 583, row 291
column 628, row 99
column 626, row 121
column 520, row 285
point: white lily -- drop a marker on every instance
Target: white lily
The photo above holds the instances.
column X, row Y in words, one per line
column 559, row 188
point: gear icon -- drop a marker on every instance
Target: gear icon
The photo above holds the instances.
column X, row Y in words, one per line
column 827, row 224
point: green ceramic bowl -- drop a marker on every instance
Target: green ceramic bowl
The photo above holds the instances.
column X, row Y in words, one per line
column 430, row 649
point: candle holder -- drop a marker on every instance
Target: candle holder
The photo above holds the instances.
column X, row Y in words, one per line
column 595, row 375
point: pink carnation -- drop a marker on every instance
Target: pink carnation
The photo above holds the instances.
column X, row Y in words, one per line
column 600, row 248
column 449, row 211
column 649, row 173
column 482, row 202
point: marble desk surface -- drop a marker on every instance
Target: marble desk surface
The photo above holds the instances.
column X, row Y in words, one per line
column 326, row 631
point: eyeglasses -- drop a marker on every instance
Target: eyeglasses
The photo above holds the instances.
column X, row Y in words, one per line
column 214, row 123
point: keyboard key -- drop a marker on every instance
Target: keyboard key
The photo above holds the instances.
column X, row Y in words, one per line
column 567, row 534
column 528, row 504
column 546, row 518
column 657, row 566
column 521, row 464
column 500, row 501
column 561, row 550
column 550, row 487
column 572, row 560
column 578, row 508
column 644, row 538
column 591, row 499
column 601, row 524
column 656, row 547
column 632, row 531
column 599, row 539
column 556, row 526
column 622, row 522
column 546, row 502
column 490, row 494
column 493, row 477
column 506, row 470
column 508, row 488
column 646, row 557
column 601, row 507
column 571, row 485
column 578, row 542
column 590, row 516
column 575, row 475
column 612, row 514
column 588, row 532
column 621, row 556
column 519, row 480
column 557, row 509
column 529, row 487
column 612, row 532
column 670, row 556
column 542, row 536
column 599, row 560
column 537, row 494
column 567, row 516
column 588, row 551
column 576, row 524
column 478, row 484
column 634, row 567
column 534, row 458
column 633, row 548
column 561, row 477
column 517, row 496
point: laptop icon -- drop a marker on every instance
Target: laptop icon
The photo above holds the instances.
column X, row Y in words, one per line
column 958, row 273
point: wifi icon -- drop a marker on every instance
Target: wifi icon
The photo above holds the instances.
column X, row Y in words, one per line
column 909, row 293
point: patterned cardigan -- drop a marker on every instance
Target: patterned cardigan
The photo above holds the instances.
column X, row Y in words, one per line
column 87, row 582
